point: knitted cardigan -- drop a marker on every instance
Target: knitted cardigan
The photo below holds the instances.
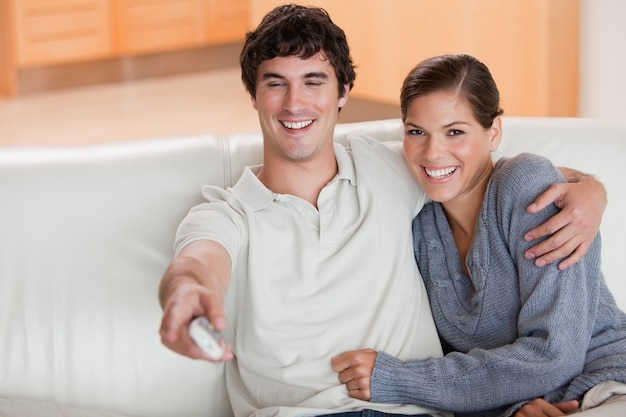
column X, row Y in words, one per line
column 512, row 331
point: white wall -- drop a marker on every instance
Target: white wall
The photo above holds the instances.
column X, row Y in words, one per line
column 602, row 77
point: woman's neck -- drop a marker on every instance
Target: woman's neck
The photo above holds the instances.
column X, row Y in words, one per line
column 462, row 215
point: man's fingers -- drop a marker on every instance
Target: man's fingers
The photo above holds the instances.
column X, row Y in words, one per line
column 576, row 256
column 553, row 194
column 546, row 253
column 172, row 323
column 550, row 227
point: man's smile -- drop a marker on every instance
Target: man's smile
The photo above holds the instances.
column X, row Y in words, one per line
column 297, row 125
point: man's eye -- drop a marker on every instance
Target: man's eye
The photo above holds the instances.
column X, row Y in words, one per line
column 455, row 132
column 314, row 83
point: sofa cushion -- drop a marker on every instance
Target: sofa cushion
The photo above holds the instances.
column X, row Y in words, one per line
column 20, row 407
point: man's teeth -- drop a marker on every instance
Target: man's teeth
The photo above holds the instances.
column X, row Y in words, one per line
column 440, row 173
column 297, row 125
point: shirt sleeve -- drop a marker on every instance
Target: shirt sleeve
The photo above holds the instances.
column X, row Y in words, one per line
column 390, row 154
column 219, row 219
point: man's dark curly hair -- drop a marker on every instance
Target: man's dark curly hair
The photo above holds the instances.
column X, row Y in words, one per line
column 293, row 30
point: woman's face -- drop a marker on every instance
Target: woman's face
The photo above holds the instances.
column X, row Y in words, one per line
column 447, row 150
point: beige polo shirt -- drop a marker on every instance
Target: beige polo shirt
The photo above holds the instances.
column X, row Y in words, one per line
column 309, row 284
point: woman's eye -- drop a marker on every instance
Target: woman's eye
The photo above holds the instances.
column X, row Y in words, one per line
column 415, row 132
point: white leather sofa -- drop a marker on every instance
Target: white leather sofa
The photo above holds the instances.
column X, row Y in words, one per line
column 86, row 233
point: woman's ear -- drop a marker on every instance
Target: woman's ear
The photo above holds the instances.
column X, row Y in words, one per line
column 495, row 133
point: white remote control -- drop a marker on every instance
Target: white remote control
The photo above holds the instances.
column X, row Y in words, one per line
column 206, row 337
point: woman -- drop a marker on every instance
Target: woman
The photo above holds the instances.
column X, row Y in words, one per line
column 513, row 332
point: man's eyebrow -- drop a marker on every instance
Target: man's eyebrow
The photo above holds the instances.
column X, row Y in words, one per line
column 317, row 74
column 269, row 75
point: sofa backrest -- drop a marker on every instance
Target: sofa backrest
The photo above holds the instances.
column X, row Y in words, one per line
column 85, row 236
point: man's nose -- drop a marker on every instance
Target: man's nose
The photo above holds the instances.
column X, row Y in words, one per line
column 294, row 99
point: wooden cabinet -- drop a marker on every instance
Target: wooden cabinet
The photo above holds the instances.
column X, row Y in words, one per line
column 7, row 58
column 41, row 33
column 158, row 25
column 226, row 20
column 54, row 31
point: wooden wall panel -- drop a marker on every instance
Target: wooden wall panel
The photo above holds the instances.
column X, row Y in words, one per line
column 531, row 46
column 228, row 20
column 7, row 50
column 157, row 25
column 52, row 31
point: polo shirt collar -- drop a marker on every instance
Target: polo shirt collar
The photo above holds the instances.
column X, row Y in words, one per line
column 251, row 191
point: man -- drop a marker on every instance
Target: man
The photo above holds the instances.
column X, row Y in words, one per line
column 310, row 254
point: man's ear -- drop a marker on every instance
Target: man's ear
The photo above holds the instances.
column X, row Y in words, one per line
column 253, row 100
column 495, row 132
column 346, row 92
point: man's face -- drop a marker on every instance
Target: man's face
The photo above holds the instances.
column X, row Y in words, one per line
column 298, row 106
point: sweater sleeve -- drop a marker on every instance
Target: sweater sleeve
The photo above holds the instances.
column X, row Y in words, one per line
column 554, row 318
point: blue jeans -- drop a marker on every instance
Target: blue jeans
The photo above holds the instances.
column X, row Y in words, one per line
column 372, row 413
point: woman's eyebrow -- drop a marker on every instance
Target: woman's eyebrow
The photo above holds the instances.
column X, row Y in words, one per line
column 458, row 122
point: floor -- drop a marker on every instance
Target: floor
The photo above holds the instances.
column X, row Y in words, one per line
column 203, row 102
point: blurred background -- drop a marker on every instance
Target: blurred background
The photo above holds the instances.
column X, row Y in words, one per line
column 88, row 71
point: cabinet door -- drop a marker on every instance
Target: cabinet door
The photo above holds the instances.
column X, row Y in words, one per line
column 160, row 25
column 59, row 31
column 7, row 51
column 228, row 20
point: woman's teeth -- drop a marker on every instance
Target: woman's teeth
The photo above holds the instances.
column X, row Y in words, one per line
column 439, row 173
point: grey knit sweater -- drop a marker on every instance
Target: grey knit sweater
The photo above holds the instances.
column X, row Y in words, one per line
column 512, row 331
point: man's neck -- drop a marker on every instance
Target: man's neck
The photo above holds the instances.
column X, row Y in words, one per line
column 303, row 179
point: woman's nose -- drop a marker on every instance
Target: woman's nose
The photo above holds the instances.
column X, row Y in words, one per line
column 433, row 148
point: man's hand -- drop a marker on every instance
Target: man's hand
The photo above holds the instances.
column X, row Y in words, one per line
column 194, row 285
column 188, row 301
column 355, row 371
column 573, row 229
column 542, row 408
